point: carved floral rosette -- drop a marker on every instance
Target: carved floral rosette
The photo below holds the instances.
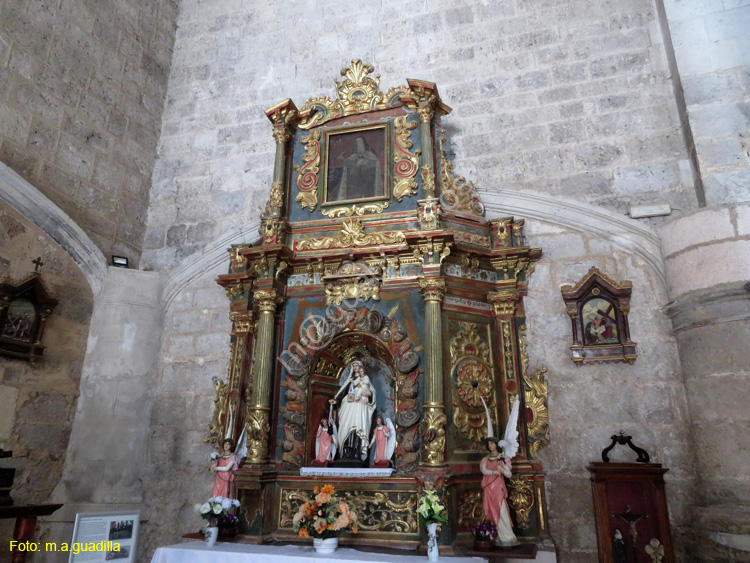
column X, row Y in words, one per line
column 302, row 363
column 471, row 366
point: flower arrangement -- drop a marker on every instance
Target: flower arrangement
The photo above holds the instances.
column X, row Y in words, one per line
column 430, row 510
column 484, row 532
column 325, row 516
column 216, row 511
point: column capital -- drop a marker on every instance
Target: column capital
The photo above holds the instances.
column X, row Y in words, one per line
column 432, row 288
column 282, row 135
column 243, row 322
column 503, row 302
column 267, row 299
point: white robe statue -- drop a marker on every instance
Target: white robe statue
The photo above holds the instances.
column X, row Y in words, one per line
column 357, row 407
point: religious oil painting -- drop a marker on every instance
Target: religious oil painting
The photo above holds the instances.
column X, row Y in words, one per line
column 356, row 165
column 20, row 320
column 599, row 322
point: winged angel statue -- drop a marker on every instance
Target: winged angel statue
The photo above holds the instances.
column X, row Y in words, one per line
column 225, row 463
column 495, row 468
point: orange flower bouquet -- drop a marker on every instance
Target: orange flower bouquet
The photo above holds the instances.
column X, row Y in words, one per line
column 325, row 516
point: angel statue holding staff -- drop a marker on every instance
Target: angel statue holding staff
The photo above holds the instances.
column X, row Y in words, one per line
column 496, row 468
column 326, row 441
column 355, row 412
column 225, row 464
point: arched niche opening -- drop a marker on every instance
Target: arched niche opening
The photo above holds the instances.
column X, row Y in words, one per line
column 330, row 368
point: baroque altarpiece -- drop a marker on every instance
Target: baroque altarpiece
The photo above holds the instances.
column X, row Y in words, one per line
column 372, row 249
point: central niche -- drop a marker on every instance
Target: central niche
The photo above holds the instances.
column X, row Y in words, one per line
column 326, row 384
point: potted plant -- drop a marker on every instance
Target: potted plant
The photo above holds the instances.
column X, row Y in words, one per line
column 431, row 513
column 484, row 536
column 323, row 518
column 216, row 511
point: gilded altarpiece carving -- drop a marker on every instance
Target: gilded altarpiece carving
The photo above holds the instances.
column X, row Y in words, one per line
column 372, row 249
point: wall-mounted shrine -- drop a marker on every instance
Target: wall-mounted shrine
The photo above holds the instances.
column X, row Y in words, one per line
column 375, row 257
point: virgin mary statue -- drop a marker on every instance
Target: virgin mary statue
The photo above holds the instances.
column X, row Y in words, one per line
column 355, row 412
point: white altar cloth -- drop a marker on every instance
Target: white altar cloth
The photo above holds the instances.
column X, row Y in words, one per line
column 346, row 471
column 198, row 552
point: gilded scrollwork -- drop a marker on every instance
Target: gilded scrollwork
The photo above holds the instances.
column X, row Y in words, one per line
column 456, row 192
column 535, row 394
column 355, row 210
column 386, row 512
column 433, row 436
column 407, row 163
column 258, row 434
column 307, row 174
column 471, row 509
column 216, row 426
column 352, row 234
column 521, row 500
column 363, row 288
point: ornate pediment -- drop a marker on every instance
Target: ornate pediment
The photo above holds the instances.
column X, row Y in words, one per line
column 359, row 93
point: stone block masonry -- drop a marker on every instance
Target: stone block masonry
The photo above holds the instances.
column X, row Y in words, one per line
column 82, row 87
column 543, row 93
column 712, row 49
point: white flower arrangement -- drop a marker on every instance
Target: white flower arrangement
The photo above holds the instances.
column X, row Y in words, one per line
column 216, row 511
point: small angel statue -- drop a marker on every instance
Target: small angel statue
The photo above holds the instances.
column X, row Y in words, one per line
column 326, row 441
column 384, row 440
column 226, row 463
column 496, row 467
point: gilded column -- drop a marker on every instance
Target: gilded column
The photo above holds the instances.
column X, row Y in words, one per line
column 434, row 421
column 258, row 416
column 426, row 112
column 283, row 116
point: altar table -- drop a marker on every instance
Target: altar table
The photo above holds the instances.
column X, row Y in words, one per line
column 198, row 552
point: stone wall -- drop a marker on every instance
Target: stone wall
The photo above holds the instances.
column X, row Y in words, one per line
column 707, row 256
column 712, row 48
column 38, row 400
column 195, row 347
column 82, row 86
column 566, row 97
column 588, row 404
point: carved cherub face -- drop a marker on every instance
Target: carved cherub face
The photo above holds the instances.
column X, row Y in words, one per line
column 379, row 421
column 324, row 423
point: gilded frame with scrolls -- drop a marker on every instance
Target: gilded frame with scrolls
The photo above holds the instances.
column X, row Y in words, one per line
column 383, row 157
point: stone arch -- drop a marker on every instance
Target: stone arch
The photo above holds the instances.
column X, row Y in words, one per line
column 37, row 208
